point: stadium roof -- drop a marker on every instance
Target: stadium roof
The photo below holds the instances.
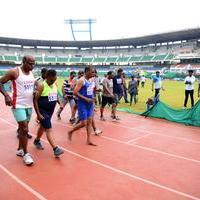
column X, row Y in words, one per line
column 189, row 34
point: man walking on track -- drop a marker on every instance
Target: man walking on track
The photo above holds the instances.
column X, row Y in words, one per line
column 44, row 103
column 107, row 95
column 23, row 83
column 84, row 90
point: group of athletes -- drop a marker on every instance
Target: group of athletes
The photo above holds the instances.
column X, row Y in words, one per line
column 42, row 94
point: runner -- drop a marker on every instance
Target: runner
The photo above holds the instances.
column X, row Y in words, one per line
column 67, row 90
column 107, row 95
column 84, row 90
column 118, row 89
column 23, row 83
column 44, row 103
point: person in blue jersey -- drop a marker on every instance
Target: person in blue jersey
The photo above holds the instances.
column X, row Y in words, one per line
column 45, row 100
column 157, row 84
column 84, row 90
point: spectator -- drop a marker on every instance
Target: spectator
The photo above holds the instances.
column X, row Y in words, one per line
column 189, row 88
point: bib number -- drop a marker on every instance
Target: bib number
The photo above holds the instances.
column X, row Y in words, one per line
column 90, row 91
column 28, row 87
column 119, row 81
column 52, row 97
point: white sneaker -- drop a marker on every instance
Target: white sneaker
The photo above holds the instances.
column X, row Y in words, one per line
column 116, row 118
column 102, row 119
column 97, row 132
column 28, row 159
column 20, row 152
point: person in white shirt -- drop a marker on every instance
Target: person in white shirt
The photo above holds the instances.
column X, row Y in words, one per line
column 23, row 84
column 157, row 84
column 189, row 88
column 143, row 79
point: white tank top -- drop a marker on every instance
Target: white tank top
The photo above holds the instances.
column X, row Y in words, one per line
column 23, row 88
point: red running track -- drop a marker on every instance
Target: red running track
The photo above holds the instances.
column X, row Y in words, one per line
column 136, row 158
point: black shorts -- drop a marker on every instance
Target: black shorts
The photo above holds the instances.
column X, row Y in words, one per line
column 107, row 100
column 46, row 122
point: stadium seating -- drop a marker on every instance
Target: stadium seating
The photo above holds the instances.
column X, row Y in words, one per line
column 147, row 58
column 123, row 59
column 160, row 57
column 135, row 58
column 50, row 59
column 99, row 60
column 10, row 58
column 107, row 59
column 111, row 59
column 87, row 60
column 62, row 59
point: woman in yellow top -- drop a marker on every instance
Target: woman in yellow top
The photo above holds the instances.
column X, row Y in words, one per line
column 45, row 101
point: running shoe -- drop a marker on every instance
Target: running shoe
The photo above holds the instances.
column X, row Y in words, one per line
column 98, row 132
column 20, row 152
column 58, row 151
column 28, row 160
column 38, row 144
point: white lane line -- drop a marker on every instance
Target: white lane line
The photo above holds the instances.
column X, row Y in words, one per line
column 126, row 173
column 138, row 138
column 143, row 147
column 149, row 131
column 20, row 182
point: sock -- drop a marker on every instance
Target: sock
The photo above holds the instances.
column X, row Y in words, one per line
column 36, row 140
column 55, row 148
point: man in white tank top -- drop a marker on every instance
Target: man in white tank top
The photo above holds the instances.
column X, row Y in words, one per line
column 23, row 83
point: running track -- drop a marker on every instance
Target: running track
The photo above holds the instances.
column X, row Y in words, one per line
column 136, row 158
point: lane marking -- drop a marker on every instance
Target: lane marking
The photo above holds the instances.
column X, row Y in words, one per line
column 20, row 182
column 143, row 147
column 123, row 172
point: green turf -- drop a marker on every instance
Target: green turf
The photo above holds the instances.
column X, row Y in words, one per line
column 173, row 95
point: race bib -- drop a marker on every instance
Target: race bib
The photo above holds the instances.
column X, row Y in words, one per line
column 119, row 81
column 28, row 87
column 110, row 84
column 53, row 97
column 90, row 90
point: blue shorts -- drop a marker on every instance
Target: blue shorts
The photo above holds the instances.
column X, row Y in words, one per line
column 22, row 114
column 46, row 122
column 85, row 111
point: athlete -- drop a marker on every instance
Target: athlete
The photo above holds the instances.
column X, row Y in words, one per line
column 23, row 83
column 84, row 90
column 44, row 103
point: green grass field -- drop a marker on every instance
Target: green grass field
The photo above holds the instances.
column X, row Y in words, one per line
column 173, row 95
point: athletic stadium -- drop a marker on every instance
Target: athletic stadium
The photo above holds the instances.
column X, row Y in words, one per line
column 151, row 153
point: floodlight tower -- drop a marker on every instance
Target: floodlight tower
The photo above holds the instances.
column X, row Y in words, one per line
column 88, row 29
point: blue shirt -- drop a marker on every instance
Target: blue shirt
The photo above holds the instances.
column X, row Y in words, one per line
column 157, row 80
column 87, row 90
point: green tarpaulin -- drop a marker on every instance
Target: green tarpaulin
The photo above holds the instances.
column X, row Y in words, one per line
column 185, row 116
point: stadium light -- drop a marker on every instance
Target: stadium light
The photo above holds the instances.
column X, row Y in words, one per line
column 73, row 22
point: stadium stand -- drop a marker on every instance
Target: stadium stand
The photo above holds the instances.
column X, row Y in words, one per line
column 147, row 52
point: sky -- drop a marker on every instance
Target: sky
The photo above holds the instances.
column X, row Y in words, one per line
column 115, row 19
